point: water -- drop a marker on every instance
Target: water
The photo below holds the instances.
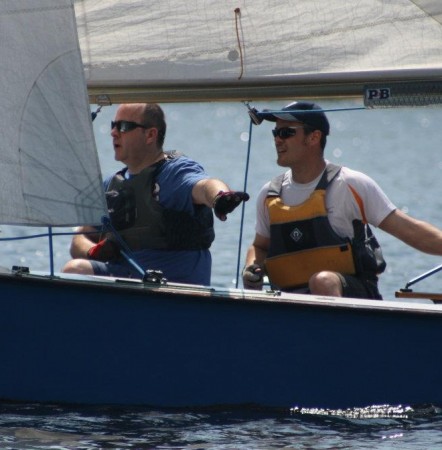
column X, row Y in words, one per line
column 399, row 148
column 57, row 427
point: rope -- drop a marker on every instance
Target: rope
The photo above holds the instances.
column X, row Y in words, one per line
column 237, row 18
column 243, row 205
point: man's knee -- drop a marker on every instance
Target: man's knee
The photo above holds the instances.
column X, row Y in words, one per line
column 325, row 283
column 81, row 266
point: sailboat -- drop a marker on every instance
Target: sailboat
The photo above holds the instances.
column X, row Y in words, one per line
column 102, row 340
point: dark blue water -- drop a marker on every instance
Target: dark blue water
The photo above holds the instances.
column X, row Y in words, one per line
column 399, row 148
column 29, row 426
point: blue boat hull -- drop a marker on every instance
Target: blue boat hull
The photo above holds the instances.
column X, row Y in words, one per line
column 129, row 344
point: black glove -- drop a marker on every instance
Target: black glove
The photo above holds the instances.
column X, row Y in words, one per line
column 252, row 277
column 226, row 202
column 105, row 250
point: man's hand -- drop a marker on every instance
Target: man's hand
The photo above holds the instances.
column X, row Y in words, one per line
column 252, row 277
column 105, row 250
column 226, row 202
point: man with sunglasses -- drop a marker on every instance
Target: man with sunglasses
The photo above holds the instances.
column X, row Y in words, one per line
column 161, row 203
column 312, row 227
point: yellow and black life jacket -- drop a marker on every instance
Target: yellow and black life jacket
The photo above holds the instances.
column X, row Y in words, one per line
column 144, row 224
column 302, row 241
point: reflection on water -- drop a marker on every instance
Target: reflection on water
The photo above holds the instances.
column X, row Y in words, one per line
column 371, row 412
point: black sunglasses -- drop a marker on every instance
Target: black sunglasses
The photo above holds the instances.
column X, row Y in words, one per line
column 124, row 126
column 285, row 132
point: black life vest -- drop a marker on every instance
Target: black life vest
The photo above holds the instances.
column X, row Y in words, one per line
column 144, row 224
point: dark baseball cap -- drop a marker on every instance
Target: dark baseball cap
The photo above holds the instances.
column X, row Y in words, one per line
column 305, row 112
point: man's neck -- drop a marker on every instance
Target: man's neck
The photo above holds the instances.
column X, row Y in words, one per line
column 136, row 168
column 305, row 173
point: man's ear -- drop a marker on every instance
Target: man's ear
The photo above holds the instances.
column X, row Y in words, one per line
column 151, row 135
column 314, row 137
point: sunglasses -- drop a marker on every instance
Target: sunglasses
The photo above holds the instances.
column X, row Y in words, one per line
column 285, row 132
column 124, row 126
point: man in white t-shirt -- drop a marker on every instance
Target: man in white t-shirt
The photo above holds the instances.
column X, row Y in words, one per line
column 312, row 226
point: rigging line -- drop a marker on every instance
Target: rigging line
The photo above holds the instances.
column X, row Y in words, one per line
column 40, row 235
column 355, row 108
column 246, row 173
column 237, row 18
column 423, row 276
column 32, row 236
column 51, row 251
column 124, row 248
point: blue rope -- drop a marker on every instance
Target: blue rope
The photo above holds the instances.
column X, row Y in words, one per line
column 124, row 248
column 51, row 251
column 306, row 111
column 244, row 204
column 33, row 236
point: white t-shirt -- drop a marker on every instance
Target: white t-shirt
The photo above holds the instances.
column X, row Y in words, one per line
column 341, row 205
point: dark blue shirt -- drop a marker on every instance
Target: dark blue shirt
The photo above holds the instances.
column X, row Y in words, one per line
column 173, row 189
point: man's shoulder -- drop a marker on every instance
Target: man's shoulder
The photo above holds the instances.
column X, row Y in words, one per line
column 360, row 183
column 354, row 176
column 177, row 159
column 184, row 168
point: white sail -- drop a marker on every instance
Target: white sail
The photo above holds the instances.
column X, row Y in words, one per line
column 50, row 170
column 211, row 49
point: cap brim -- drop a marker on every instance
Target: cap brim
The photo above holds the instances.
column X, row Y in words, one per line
column 281, row 116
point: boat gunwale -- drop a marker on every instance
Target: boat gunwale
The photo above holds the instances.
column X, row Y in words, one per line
column 228, row 295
